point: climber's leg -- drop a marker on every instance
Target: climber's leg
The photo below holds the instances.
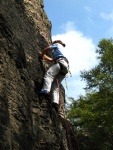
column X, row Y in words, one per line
column 49, row 77
column 55, row 90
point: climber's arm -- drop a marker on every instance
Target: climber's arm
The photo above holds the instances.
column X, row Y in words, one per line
column 44, row 56
column 60, row 42
column 45, row 50
column 48, row 58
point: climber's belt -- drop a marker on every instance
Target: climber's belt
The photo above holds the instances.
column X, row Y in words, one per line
column 62, row 58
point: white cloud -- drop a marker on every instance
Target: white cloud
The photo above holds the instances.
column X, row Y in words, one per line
column 80, row 52
column 79, row 49
column 107, row 16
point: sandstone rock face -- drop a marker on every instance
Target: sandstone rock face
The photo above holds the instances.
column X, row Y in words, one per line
column 27, row 122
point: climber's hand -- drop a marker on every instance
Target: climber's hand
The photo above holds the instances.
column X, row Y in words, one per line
column 64, row 45
column 52, row 61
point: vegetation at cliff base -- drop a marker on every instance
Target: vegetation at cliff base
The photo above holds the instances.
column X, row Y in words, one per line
column 92, row 114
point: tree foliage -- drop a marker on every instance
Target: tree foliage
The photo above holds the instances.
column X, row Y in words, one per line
column 92, row 115
column 101, row 76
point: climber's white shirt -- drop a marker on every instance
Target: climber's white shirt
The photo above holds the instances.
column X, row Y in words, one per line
column 57, row 53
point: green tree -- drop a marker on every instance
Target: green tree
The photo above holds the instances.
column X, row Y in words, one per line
column 101, row 77
column 92, row 115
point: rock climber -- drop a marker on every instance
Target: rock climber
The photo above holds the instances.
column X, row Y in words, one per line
column 56, row 72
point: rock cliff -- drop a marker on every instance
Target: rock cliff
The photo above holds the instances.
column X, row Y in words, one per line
column 27, row 122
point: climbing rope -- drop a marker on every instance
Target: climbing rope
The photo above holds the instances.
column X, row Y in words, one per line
column 67, row 128
column 69, row 72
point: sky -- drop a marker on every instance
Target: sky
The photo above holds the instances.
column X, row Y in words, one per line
column 80, row 24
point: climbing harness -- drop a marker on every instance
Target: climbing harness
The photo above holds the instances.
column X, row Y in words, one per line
column 68, row 72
